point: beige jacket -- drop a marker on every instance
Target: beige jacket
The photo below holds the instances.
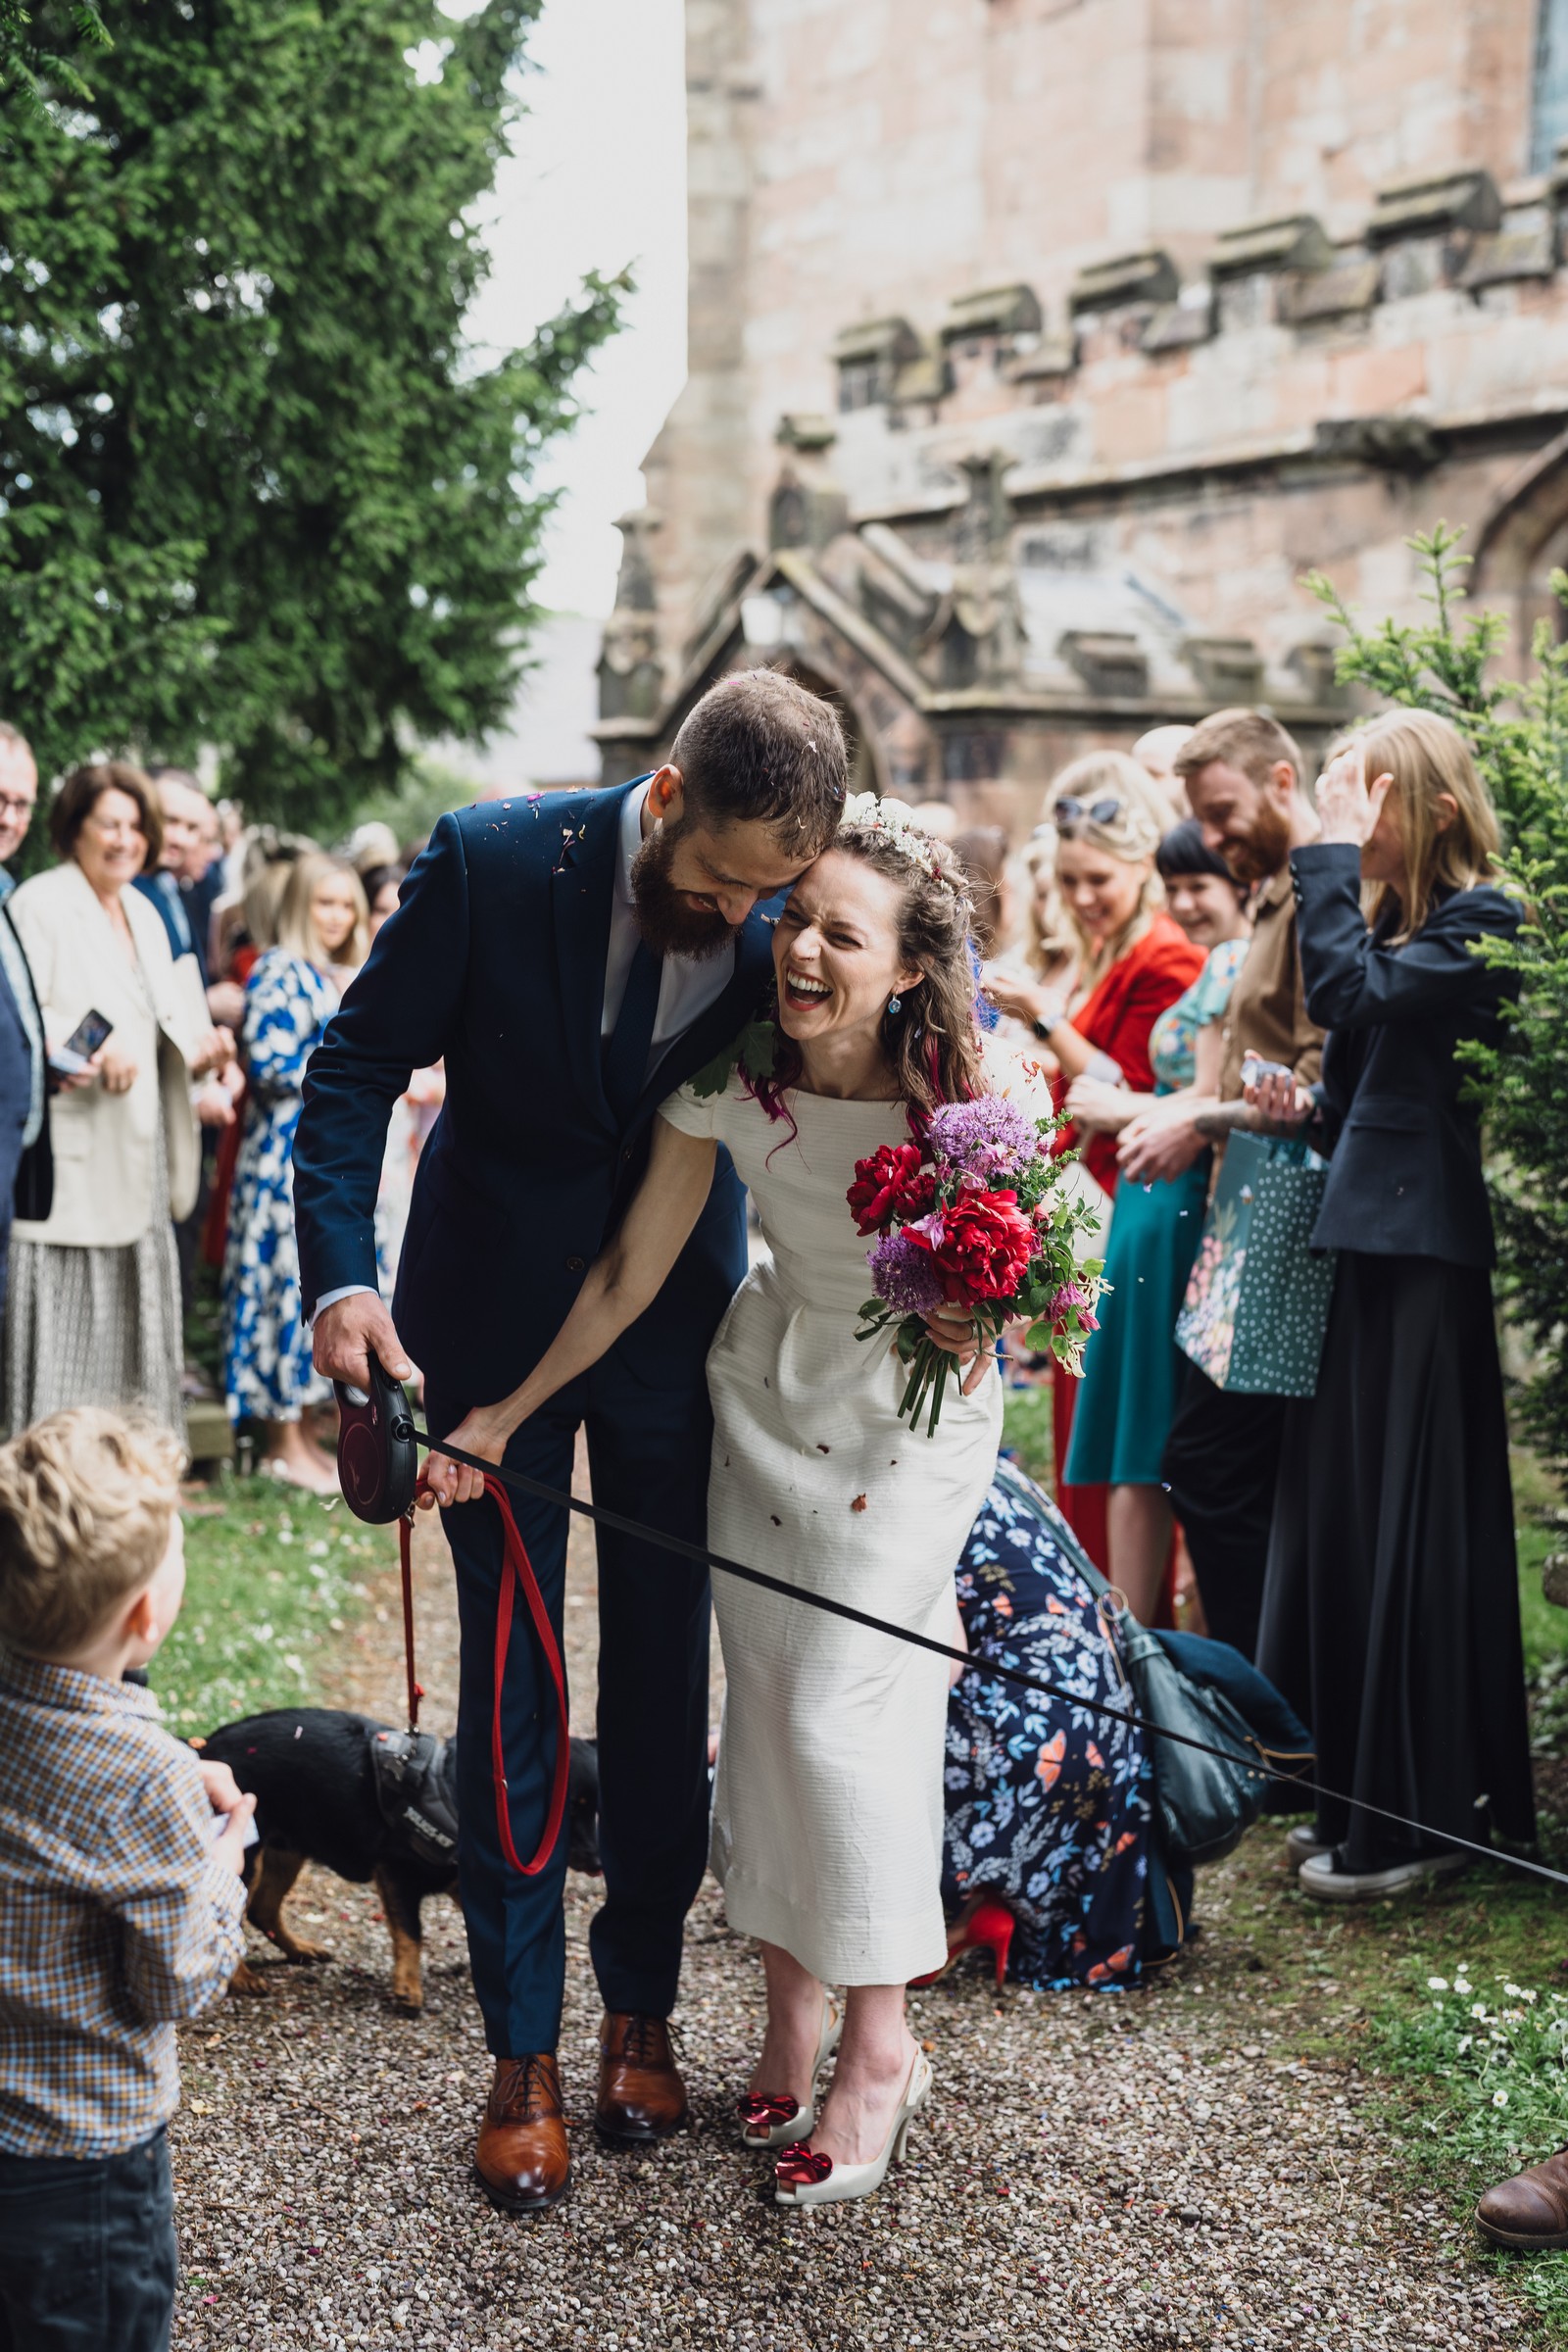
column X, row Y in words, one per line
column 103, row 1142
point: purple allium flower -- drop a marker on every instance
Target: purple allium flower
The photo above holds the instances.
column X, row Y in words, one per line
column 982, row 1136
column 903, row 1275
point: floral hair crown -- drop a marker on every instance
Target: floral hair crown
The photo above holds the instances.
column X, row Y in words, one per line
column 896, row 821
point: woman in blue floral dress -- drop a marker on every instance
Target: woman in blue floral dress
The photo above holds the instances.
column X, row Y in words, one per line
column 1046, row 1848
column 290, row 996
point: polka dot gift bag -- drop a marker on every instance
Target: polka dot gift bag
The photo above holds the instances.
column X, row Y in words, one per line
column 1258, row 1299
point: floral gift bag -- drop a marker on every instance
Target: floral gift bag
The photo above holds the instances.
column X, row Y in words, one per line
column 1258, row 1299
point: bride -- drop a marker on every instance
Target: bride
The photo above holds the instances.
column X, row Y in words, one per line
column 827, row 1816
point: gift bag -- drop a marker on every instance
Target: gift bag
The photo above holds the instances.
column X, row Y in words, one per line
column 1257, row 1299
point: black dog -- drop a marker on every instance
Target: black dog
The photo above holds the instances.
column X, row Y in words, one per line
column 365, row 1803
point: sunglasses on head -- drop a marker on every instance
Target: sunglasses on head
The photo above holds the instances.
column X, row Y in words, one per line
column 1072, row 811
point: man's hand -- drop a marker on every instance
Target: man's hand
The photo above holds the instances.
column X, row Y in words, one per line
column 225, row 1001
column 212, row 1051
column 1278, row 1101
column 347, row 1330
column 1156, row 1149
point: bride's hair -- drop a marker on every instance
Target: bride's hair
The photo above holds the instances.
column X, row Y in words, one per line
column 932, row 1042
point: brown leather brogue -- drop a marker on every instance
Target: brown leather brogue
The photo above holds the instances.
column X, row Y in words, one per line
column 1530, row 2212
column 523, row 2162
column 641, row 2095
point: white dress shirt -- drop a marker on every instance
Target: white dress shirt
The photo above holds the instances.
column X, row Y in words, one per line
column 686, row 989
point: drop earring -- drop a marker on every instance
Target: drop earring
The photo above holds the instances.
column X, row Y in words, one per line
column 895, row 1004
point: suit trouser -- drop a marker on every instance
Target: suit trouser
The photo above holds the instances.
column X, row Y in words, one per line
column 1220, row 1465
column 647, row 1451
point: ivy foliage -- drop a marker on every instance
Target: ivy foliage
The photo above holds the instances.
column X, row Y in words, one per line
column 1518, row 732
column 257, row 489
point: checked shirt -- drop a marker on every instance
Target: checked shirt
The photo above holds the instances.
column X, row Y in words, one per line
column 114, row 1920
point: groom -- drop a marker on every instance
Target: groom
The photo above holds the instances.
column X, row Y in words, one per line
column 573, row 960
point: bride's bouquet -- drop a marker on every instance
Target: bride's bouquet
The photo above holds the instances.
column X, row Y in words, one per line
column 972, row 1213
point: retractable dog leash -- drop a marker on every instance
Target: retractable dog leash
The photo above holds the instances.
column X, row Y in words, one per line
column 378, row 1464
column 399, row 1485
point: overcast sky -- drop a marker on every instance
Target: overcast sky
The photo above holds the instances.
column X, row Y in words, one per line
column 597, row 181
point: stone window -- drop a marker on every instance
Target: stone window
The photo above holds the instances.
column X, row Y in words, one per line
column 1549, row 97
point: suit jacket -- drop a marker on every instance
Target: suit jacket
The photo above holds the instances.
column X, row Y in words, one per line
column 495, row 961
column 1404, row 1177
column 32, row 1195
column 103, row 1142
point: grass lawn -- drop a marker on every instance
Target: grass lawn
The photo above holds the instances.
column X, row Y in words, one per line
column 272, row 1576
column 1457, row 2003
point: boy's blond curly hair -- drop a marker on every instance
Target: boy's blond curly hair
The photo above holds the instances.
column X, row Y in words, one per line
column 87, row 1500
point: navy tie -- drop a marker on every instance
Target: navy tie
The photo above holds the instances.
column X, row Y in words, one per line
column 627, row 1048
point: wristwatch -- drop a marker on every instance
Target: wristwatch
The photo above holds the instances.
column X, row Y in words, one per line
column 1043, row 1028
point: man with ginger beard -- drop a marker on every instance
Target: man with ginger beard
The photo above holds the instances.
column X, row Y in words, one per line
column 1242, row 774
column 573, row 958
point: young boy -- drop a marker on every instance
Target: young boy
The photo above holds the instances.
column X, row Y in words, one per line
column 119, row 1908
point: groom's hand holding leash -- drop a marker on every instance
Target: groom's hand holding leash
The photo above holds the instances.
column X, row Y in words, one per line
column 344, row 1333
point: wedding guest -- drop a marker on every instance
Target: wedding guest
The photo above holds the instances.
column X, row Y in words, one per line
column 293, row 991
column 1134, row 963
column 26, row 1161
column 982, row 852
column 1157, row 753
column 413, row 1114
column 94, row 1313
column 1045, row 1845
column 1053, row 1864
column 1391, row 1615
column 1244, row 776
column 1038, row 969
column 1131, row 1373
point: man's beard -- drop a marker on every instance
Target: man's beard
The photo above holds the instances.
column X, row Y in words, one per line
column 666, row 922
column 1267, row 848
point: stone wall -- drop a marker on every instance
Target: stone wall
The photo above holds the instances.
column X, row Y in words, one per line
column 1040, row 346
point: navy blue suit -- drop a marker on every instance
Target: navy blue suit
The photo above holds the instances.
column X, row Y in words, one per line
column 495, row 960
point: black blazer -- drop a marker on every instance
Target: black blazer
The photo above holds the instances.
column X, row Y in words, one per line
column 1404, row 1176
column 495, row 960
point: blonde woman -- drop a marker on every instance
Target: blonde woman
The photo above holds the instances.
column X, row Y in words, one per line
column 322, row 937
column 1391, row 1613
column 1133, row 965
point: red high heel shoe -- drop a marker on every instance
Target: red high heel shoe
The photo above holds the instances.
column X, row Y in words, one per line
column 988, row 1929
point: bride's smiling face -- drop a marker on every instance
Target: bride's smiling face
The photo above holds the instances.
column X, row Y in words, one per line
column 836, row 951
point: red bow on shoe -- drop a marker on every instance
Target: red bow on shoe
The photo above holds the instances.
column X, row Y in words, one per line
column 763, row 2110
column 802, row 2167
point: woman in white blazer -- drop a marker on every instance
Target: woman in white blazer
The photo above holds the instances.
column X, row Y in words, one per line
column 94, row 1312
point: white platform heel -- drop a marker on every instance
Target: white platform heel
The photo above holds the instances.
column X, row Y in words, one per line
column 804, row 2176
column 773, row 2119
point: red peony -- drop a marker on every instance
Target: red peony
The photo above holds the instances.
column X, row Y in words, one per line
column 890, row 1185
column 985, row 1246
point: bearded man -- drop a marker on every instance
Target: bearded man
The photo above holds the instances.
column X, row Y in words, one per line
column 573, row 958
column 1243, row 779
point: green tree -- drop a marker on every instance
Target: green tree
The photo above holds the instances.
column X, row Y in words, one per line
column 26, row 69
column 256, row 487
column 1519, row 734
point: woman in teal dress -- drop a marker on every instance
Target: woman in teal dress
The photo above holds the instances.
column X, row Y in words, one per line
column 1132, row 1365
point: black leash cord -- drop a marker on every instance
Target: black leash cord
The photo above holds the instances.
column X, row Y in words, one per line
column 695, row 1552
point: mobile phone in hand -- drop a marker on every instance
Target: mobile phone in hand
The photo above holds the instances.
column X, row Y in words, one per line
column 73, row 1057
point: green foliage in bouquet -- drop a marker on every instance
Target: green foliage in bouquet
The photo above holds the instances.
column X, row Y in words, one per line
column 1519, row 735
column 258, row 487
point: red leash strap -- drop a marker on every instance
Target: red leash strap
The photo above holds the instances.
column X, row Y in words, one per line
column 406, row 1560
column 517, row 1572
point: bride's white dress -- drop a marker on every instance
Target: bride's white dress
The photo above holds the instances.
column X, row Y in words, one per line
column 827, row 1814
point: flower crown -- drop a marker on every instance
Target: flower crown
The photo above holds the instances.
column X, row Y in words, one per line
column 896, row 821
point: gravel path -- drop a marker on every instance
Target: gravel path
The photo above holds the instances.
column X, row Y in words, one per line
column 1148, row 2169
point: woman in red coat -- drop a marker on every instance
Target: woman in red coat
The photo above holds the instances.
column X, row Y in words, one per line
column 1134, row 964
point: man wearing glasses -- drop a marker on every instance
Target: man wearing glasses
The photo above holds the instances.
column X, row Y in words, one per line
column 27, row 1171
